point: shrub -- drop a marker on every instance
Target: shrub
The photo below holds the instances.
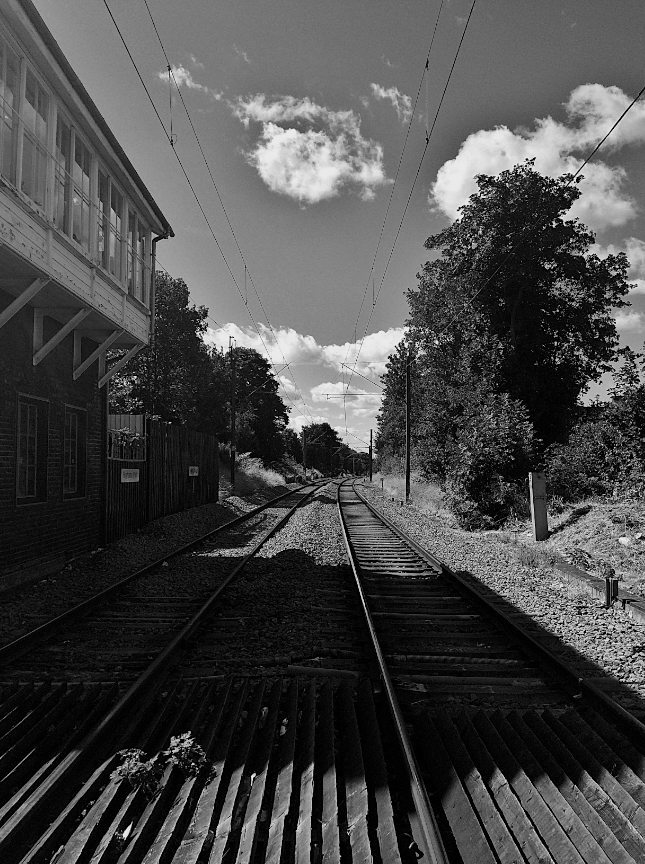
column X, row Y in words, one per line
column 494, row 448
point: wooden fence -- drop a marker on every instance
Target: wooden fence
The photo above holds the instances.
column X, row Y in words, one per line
column 179, row 469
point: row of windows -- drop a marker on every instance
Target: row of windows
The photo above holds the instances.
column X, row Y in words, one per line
column 33, row 451
column 41, row 150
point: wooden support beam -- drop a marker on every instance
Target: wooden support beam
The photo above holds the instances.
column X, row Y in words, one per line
column 20, row 301
column 41, row 352
column 114, row 369
column 79, row 367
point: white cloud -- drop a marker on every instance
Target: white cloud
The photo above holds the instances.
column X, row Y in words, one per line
column 298, row 421
column 557, row 148
column 287, row 384
column 183, row 77
column 242, row 54
column 287, row 345
column 309, row 152
column 402, row 103
column 630, row 320
column 365, row 402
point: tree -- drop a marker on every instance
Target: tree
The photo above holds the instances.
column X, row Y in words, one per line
column 540, row 299
column 173, row 378
column 292, row 444
column 261, row 414
column 323, row 448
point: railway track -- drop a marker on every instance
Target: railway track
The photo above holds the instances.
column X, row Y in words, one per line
column 439, row 731
column 522, row 759
column 124, row 627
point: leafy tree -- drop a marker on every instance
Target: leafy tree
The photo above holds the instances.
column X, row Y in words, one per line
column 323, row 448
column 261, row 415
column 173, row 378
column 540, row 299
column 292, row 444
column 179, row 379
column 605, row 453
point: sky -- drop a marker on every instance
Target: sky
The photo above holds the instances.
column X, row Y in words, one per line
column 306, row 114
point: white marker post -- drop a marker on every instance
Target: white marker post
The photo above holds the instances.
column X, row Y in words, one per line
column 537, row 486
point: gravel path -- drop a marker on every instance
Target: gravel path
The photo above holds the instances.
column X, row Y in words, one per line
column 600, row 642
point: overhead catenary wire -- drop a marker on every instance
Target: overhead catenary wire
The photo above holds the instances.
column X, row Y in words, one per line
column 398, row 170
column 228, row 220
column 416, row 177
column 389, row 203
column 201, row 207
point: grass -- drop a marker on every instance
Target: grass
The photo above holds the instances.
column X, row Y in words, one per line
column 425, row 496
column 250, row 477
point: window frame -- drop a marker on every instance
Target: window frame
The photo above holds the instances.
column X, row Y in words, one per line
column 14, row 128
column 41, row 455
column 79, row 464
column 41, row 150
column 71, row 187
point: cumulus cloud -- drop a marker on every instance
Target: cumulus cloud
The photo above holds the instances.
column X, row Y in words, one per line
column 358, row 401
column 292, row 347
column 634, row 248
column 309, row 152
column 630, row 320
column 242, row 54
column 402, row 103
column 287, row 384
column 183, row 77
column 557, row 148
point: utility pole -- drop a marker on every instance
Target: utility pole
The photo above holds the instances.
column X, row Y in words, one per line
column 232, row 356
column 353, row 466
column 370, row 455
column 408, row 400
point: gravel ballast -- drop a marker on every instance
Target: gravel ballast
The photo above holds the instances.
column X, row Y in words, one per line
column 599, row 642
column 27, row 606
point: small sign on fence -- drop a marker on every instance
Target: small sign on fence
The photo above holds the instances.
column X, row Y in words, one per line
column 193, row 470
column 129, row 475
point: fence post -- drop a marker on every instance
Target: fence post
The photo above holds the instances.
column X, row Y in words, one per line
column 537, row 487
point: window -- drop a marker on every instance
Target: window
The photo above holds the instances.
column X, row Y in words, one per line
column 102, row 219
column 74, row 452
column 81, row 193
column 33, row 433
column 132, row 269
column 35, row 112
column 61, row 174
column 116, row 231
column 72, row 167
column 9, row 82
column 110, row 225
column 143, row 269
column 137, row 263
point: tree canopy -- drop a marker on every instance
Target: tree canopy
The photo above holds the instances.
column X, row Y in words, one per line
column 508, row 326
column 178, row 378
column 173, row 377
column 521, row 279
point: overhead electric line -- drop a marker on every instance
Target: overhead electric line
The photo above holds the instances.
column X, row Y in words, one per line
column 247, row 271
column 416, row 177
column 197, row 199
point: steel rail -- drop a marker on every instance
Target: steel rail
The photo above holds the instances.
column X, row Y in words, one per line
column 23, row 644
column 430, row 842
column 576, row 685
column 149, row 680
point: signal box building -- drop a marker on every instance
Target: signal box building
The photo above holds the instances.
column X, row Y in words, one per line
column 78, row 230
